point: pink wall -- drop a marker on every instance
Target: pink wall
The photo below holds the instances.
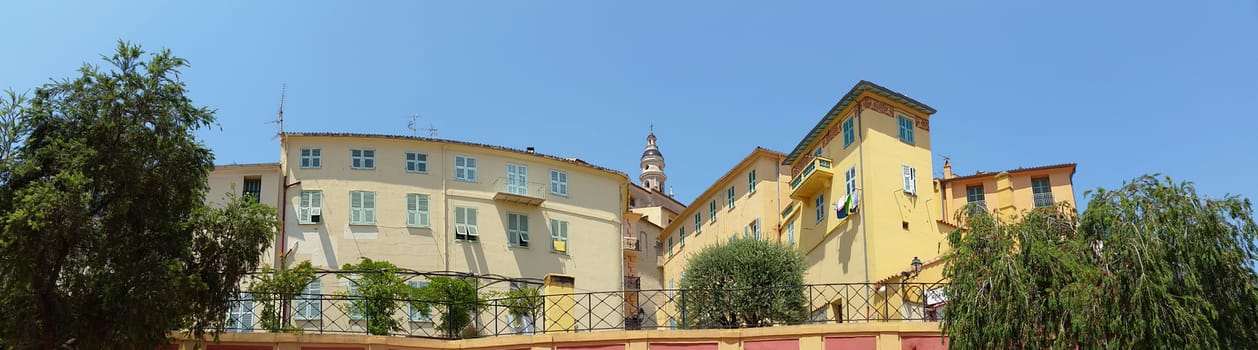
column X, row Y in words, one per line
column 593, row 347
column 779, row 344
column 851, row 343
column 683, row 346
column 923, row 343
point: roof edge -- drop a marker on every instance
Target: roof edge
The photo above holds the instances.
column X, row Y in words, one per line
column 848, row 99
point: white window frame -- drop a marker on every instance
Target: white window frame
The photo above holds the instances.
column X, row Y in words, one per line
column 518, row 179
column 517, row 230
column 465, row 229
column 751, row 181
column 362, row 208
column 240, row 314
column 559, row 182
column 698, row 222
column 309, row 205
column 790, row 232
column 850, row 180
column 465, row 168
column 362, row 159
column 416, row 162
column 559, row 232
column 910, row 179
column 351, row 290
column 417, row 210
column 754, row 229
column 311, row 158
column 309, row 304
column 820, row 203
column 413, row 312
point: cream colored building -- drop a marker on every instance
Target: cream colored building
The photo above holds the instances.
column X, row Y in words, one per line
column 260, row 180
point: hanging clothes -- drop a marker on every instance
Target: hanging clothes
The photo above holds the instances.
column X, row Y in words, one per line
column 840, row 208
column 854, row 205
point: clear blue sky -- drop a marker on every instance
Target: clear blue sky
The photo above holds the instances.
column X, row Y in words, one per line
column 1122, row 89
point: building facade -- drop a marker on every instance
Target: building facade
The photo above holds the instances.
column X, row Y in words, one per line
column 1006, row 192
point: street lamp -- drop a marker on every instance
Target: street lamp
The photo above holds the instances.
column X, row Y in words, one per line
column 914, row 268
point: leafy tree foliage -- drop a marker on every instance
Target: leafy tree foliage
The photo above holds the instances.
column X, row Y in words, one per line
column 105, row 240
column 746, row 283
column 1150, row 265
column 276, row 290
column 378, row 288
column 459, row 300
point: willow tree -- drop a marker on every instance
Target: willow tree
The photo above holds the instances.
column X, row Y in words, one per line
column 1151, row 265
column 105, row 238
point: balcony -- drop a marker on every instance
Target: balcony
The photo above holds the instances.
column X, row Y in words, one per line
column 632, row 243
column 812, row 179
column 510, row 190
column 633, row 283
column 1043, row 199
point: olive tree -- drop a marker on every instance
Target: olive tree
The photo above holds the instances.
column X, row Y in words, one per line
column 745, row 283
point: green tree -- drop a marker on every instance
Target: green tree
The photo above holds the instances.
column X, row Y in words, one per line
column 276, row 289
column 105, row 240
column 378, row 288
column 745, row 283
column 457, row 300
column 1151, row 265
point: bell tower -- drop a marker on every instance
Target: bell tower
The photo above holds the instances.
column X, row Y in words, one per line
column 652, row 165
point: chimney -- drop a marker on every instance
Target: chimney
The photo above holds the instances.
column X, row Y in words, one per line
column 948, row 168
column 530, row 150
column 670, row 191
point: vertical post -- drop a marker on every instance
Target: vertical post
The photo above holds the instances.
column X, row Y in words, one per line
column 589, row 311
column 681, row 308
column 321, row 323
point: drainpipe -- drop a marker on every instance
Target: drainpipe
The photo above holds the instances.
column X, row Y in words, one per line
column 445, row 203
column 284, row 222
column 864, row 224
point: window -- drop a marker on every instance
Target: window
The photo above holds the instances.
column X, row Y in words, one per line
column 310, row 207
column 754, row 229
column 1042, row 192
column 518, row 179
column 816, row 152
column 311, row 158
column 820, row 204
column 240, row 314
column 819, row 316
column 670, row 245
column 849, row 178
column 253, row 189
column 712, row 211
column 309, row 304
column 906, row 129
column 518, row 230
column 362, row 208
column 417, row 310
column 974, row 195
column 558, row 236
column 559, row 182
column 362, row 159
column 417, row 210
column 356, row 304
column 465, row 224
column 681, row 234
column 698, row 222
column 751, row 181
column 910, row 180
column 730, row 197
column 790, row 232
column 416, row 162
column 464, row 168
column 849, row 131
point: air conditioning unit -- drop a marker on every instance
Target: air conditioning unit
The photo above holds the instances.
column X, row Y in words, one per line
column 316, row 215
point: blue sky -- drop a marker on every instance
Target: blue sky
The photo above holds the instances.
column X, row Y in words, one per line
column 1121, row 88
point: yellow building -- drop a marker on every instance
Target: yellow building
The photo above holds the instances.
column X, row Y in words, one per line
column 742, row 204
column 1006, row 191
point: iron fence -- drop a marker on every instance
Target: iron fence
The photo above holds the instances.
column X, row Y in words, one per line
column 660, row 309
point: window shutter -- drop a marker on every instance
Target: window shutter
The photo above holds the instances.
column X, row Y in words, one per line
column 524, row 229
column 356, row 207
column 423, row 210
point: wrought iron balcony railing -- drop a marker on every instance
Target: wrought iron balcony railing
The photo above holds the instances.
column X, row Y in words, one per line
column 1043, row 199
column 578, row 312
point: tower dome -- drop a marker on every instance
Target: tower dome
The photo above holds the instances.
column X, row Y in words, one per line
column 652, row 165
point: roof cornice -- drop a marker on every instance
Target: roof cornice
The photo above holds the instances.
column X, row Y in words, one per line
column 846, row 101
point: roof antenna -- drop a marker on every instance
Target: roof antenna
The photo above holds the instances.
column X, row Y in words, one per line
column 279, row 121
column 432, row 132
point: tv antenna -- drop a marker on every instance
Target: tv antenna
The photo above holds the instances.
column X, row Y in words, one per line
column 279, row 121
column 413, row 125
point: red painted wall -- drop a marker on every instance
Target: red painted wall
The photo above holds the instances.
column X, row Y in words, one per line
column 237, row 347
column 328, row 348
column 851, row 343
column 593, row 347
column 683, row 346
column 779, row 344
column 923, row 343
